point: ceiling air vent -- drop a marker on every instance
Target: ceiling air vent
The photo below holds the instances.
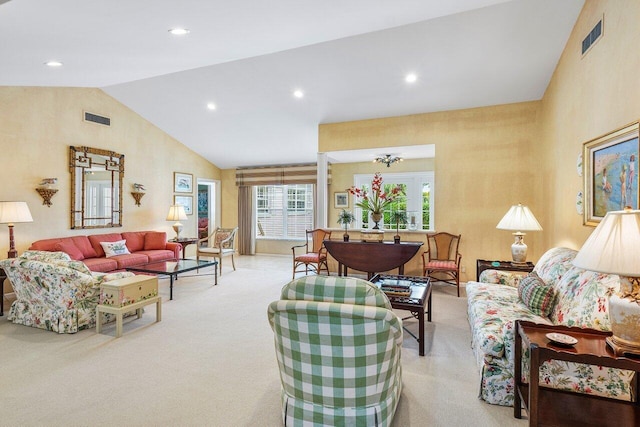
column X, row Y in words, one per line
column 90, row 117
column 592, row 37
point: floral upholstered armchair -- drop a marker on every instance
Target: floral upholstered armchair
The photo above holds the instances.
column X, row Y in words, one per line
column 53, row 292
column 355, row 380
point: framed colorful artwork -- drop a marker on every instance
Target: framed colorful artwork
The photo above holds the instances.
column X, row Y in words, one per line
column 610, row 175
column 182, row 182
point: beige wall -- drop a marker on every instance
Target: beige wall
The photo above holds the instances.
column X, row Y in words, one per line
column 486, row 158
column 483, row 165
column 587, row 97
column 37, row 126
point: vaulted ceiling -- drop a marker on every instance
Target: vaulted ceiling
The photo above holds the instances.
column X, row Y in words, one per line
column 247, row 57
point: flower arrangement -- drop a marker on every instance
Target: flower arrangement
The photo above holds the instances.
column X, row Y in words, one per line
column 376, row 201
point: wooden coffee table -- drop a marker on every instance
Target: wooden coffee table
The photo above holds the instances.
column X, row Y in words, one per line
column 173, row 268
column 416, row 303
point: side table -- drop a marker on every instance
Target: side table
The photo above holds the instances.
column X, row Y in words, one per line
column 126, row 295
column 548, row 406
column 417, row 303
column 185, row 241
column 483, row 264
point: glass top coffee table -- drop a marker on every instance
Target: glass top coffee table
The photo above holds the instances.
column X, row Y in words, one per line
column 173, row 268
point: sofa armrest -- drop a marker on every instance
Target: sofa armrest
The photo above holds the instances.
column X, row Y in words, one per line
column 175, row 247
column 501, row 277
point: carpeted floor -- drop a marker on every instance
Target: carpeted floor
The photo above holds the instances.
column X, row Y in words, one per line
column 211, row 362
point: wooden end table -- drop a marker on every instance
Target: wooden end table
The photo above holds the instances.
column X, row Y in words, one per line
column 185, row 241
column 483, row 264
column 551, row 407
column 416, row 303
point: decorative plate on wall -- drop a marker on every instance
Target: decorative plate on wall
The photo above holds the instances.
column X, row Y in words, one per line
column 579, row 203
column 579, row 164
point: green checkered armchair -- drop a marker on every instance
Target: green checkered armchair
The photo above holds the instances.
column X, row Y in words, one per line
column 338, row 349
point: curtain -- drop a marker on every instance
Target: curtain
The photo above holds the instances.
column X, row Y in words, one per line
column 279, row 175
column 246, row 224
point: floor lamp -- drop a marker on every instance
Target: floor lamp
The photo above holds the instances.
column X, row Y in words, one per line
column 11, row 213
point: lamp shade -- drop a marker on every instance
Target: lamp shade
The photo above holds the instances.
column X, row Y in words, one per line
column 176, row 213
column 519, row 218
column 614, row 245
column 12, row 212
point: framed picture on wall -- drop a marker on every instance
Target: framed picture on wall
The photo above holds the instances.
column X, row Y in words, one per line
column 182, row 182
column 341, row 200
column 610, row 175
column 186, row 202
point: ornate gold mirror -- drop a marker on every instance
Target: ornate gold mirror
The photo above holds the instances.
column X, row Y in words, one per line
column 96, row 187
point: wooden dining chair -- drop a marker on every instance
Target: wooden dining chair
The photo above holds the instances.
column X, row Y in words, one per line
column 314, row 255
column 441, row 261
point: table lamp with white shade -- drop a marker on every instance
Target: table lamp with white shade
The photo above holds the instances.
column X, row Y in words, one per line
column 614, row 248
column 519, row 218
column 177, row 213
column 11, row 213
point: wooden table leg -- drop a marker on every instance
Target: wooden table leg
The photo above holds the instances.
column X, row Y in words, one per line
column 517, row 402
column 421, row 331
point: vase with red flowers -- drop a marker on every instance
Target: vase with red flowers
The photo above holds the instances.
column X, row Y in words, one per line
column 377, row 199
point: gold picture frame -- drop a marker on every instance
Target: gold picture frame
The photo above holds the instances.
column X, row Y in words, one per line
column 185, row 201
column 182, row 182
column 341, row 199
column 610, row 173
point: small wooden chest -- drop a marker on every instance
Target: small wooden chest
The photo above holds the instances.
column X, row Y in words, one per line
column 129, row 290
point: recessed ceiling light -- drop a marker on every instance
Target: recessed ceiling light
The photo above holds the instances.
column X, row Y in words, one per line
column 179, row 31
column 211, row 106
column 53, row 64
column 298, row 93
column 411, row 78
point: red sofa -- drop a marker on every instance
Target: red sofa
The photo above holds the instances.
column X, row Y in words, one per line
column 145, row 247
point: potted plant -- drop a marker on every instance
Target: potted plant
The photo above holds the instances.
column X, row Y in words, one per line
column 398, row 217
column 345, row 218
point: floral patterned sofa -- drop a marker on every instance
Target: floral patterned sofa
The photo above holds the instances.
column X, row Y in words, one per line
column 580, row 300
column 54, row 292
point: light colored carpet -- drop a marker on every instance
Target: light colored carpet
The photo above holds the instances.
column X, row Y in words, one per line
column 211, row 362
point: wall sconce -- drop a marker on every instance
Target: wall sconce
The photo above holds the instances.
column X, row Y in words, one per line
column 387, row 159
column 138, row 192
column 46, row 190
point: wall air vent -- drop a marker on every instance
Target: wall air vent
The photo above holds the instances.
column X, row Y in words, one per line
column 90, row 117
column 592, row 37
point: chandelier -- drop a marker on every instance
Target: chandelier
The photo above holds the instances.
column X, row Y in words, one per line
column 387, row 159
